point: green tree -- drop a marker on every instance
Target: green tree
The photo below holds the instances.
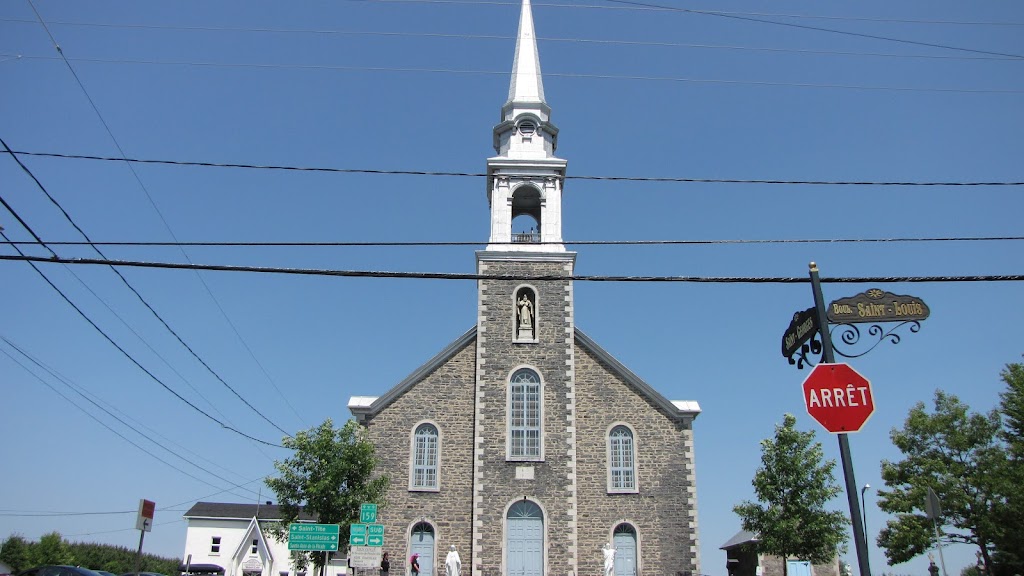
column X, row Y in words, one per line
column 958, row 455
column 51, row 549
column 792, row 486
column 1009, row 544
column 15, row 553
column 330, row 474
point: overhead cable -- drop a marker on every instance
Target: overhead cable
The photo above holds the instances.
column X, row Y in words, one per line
column 136, row 293
column 563, row 243
column 32, row 262
column 484, row 174
column 167, row 227
column 546, row 75
column 519, row 277
column 600, row 41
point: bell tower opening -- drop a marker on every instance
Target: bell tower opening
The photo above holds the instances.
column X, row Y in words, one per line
column 526, row 215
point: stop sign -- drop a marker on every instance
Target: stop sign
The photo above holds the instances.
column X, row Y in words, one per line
column 838, row 397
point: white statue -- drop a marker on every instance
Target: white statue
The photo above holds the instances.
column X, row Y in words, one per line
column 609, row 559
column 525, row 312
column 452, row 563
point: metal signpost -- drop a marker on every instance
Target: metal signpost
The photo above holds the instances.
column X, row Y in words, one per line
column 313, row 537
column 143, row 523
column 839, row 384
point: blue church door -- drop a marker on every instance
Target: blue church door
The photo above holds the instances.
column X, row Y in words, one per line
column 625, row 550
column 525, row 540
column 798, row 568
column 423, row 544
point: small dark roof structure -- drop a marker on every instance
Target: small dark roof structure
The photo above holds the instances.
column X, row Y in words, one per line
column 240, row 511
column 742, row 537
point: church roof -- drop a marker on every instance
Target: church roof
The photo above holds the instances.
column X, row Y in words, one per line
column 364, row 407
column 741, row 537
column 527, row 85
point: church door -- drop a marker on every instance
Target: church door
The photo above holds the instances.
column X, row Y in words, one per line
column 625, row 550
column 525, row 540
column 423, row 544
column 798, row 568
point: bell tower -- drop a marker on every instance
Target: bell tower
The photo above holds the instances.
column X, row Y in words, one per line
column 524, row 181
column 524, row 425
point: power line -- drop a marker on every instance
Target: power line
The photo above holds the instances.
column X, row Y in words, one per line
column 139, row 296
column 104, row 424
column 299, row 244
column 95, row 326
column 523, row 277
column 546, row 75
column 484, row 174
column 388, row 34
column 167, row 227
column 95, row 401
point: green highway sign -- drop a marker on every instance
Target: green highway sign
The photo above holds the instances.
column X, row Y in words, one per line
column 318, row 537
column 368, row 513
column 357, row 535
column 375, row 535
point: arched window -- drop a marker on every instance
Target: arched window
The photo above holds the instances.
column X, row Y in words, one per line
column 524, row 415
column 621, row 460
column 424, row 458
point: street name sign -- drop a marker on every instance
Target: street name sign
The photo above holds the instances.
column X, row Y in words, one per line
column 876, row 305
column 313, row 537
column 803, row 326
column 838, row 397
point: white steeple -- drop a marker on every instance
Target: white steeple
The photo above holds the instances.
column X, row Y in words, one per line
column 525, row 178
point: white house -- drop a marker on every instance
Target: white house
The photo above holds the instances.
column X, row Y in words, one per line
column 233, row 540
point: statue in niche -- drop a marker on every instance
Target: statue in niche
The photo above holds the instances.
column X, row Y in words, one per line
column 524, row 310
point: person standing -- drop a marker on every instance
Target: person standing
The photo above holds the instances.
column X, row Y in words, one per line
column 414, row 564
column 385, row 565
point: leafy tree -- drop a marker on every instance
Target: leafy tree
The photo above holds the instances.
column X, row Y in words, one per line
column 15, row 553
column 330, row 474
column 958, row 455
column 51, row 549
column 1009, row 545
column 794, row 483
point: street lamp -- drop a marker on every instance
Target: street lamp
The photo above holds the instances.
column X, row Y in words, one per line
column 864, row 509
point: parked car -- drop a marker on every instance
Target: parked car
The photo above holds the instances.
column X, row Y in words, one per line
column 58, row 571
column 104, row 573
column 143, row 574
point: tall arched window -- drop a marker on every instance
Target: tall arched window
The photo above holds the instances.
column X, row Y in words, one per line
column 424, row 458
column 621, row 460
column 524, row 415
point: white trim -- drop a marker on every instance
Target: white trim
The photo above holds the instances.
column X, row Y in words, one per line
column 608, row 459
column 412, row 457
column 508, row 414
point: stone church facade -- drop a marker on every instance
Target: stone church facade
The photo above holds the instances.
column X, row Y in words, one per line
column 523, row 443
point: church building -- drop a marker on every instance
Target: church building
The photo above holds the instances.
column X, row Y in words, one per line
column 523, row 443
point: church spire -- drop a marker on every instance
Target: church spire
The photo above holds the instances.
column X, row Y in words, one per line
column 527, row 86
column 524, row 180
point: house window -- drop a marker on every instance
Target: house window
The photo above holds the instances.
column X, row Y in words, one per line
column 524, row 415
column 255, row 546
column 215, row 545
column 621, row 460
column 424, row 457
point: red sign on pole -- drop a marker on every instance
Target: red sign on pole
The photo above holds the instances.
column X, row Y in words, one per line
column 144, row 521
column 838, row 398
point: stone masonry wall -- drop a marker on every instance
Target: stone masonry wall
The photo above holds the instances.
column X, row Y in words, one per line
column 663, row 511
column 445, row 398
column 548, row 483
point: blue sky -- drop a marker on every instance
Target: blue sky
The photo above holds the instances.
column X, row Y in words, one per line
column 406, row 85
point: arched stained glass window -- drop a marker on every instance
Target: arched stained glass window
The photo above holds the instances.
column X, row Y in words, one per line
column 424, row 460
column 524, row 415
column 621, row 459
